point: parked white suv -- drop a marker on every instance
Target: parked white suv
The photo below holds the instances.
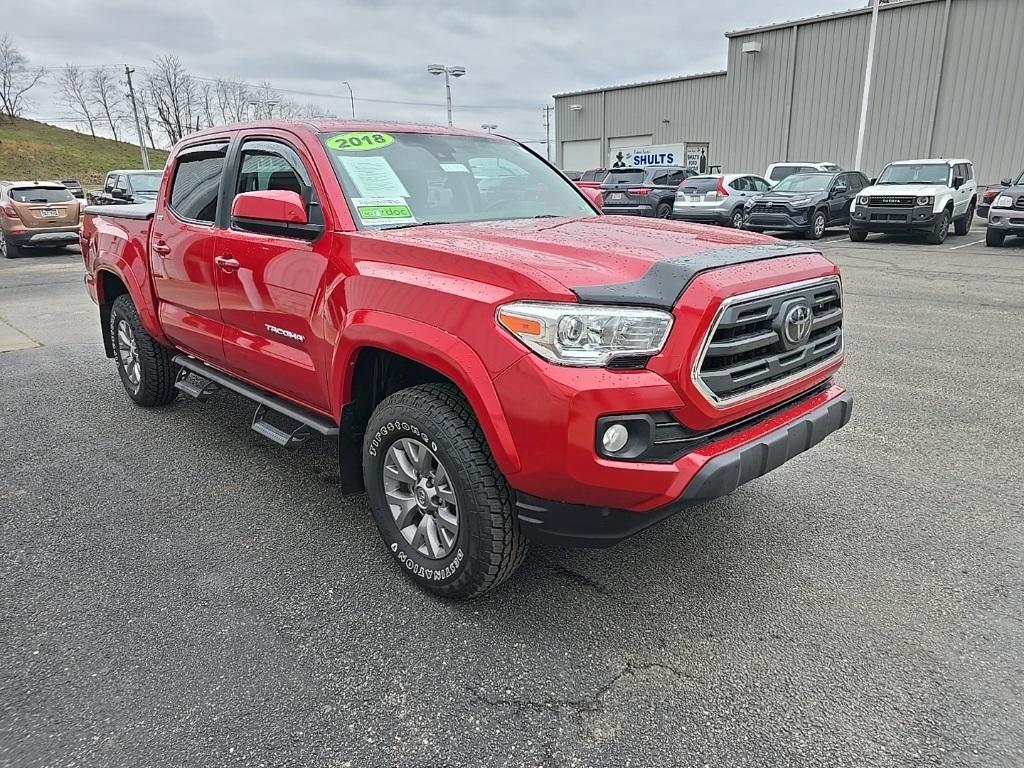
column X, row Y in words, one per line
column 776, row 172
column 917, row 196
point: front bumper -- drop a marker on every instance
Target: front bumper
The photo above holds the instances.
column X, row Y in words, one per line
column 879, row 219
column 1007, row 220
column 723, row 467
column 784, row 221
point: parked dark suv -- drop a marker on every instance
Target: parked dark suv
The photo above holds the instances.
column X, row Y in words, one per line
column 643, row 191
column 806, row 203
column 127, row 187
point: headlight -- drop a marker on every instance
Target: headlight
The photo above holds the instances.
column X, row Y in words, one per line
column 863, row 200
column 801, row 202
column 582, row 335
column 1003, row 201
column 926, row 200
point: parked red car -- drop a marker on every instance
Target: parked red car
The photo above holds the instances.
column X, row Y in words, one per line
column 496, row 359
column 592, row 178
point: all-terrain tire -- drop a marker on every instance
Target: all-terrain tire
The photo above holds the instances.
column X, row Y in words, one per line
column 938, row 233
column 489, row 545
column 152, row 363
column 858, row 235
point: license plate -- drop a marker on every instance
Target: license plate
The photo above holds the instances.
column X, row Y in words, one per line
column 49, row 213
column 616, row 196
column 693, row 198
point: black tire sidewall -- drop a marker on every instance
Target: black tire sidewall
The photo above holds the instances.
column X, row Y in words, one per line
column 660, row 208
column 150, row 392
column 734, row 222
column 812, row 233
column 938, row 239
column 858, row 235
column 453, row 572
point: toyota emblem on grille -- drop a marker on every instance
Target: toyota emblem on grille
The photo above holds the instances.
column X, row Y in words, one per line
column 796, row 325
column 769, row 204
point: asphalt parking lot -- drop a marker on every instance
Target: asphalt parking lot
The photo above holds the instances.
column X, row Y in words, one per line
column 178, row 591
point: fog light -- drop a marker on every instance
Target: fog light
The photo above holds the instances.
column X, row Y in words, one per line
column 614, row 438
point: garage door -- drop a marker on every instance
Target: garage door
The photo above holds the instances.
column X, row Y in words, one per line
column 628, row 142
column 581, row 155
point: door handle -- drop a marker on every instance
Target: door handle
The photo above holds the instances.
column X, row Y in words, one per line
column 226, row 263
column 161, row 248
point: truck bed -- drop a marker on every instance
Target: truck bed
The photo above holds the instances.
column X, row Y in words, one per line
column 139, row 211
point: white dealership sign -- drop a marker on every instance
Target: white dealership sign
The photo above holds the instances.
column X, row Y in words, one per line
column 640, row 157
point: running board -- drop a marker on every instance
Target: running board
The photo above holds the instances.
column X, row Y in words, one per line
column 304, row 420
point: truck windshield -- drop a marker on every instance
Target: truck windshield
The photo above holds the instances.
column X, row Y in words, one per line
column 146, row 182
column 409, row 179
column 915, row 173
column 804, row 182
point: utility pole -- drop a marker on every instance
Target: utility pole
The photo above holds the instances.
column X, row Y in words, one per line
column 138, row 125
column 868, row 69
column 547, row 131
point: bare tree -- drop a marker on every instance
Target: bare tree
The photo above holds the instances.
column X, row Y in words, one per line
column 107, row 96
column 16, row 79
column 146, row 120
column 173, row 94
column 74, row 94
column 232, row 99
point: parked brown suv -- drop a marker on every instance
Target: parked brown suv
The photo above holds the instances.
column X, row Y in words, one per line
column 37, row 214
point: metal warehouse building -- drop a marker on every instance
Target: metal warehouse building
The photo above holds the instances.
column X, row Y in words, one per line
column 947, row 80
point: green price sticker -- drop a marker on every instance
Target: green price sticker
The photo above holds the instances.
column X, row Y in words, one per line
column 359, row 141
column 377, row 212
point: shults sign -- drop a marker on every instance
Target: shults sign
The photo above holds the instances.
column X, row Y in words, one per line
column 689, row 155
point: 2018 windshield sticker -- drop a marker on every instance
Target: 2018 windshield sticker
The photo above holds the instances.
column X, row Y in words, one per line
column 383, row 210
column 359, row 141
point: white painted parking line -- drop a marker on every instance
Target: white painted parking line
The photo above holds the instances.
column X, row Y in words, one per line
column 958, row 247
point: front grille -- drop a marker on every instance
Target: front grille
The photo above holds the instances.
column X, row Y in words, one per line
column 892, row 201
column 751, row 347
column 769, row 208
column 1019, row 204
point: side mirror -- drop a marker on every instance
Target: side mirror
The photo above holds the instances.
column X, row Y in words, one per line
column 872, row 182
column 1007, row 182
column 593, row 195
column 117, row 193
column 958, row 181
column 270, row 206
column 839, row 191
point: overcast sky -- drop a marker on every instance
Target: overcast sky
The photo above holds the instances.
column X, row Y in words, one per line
column 516, row 52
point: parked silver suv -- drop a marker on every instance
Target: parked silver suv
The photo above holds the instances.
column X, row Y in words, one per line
column 717, row 199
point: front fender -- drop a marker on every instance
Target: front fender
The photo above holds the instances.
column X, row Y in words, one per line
column 436, row 349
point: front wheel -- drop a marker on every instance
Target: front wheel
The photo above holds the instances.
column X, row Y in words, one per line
column 442, row 506
column 146, row 367
column 736, row 220
column 994, row 238
column 963, row 226
column 817, row 228
column 938, row 233
column 858, row 235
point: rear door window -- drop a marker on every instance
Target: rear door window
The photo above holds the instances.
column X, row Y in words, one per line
column 196, row 185
column 741, row 184
column 780, row 172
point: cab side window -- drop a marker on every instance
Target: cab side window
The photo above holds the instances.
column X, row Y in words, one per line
column 265, row 164
column 108, row 185
column 196, row 185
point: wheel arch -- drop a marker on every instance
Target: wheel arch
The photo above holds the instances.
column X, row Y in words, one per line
column 379, row 354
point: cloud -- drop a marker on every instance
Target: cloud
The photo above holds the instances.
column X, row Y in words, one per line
column 517, row 52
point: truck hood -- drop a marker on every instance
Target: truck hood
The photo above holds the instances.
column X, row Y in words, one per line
column 915, row 190
column 599, row 259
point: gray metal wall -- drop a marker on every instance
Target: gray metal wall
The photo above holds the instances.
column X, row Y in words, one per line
column 948, row 81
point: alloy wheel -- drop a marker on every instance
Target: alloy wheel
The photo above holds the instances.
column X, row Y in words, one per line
column 128, row 353
column 422, row 500
column 819, row 225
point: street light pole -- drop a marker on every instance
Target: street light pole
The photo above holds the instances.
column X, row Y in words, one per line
column 351, row 98
column 866, row 93
column 453, row 71
column 489, row 127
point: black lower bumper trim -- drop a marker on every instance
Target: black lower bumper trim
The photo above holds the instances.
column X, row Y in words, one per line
column 578, row 525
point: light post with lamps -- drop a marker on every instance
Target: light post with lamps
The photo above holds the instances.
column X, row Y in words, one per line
column 489, row 127
column 351, row 98
column 455, row 71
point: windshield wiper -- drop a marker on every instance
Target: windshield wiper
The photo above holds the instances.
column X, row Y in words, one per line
column 414, row 224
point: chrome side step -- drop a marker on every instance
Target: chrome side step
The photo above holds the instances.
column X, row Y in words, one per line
column 201, row 380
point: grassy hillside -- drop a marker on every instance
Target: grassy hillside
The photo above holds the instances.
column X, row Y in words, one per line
column 31, row 150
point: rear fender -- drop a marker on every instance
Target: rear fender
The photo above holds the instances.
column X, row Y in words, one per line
column 131, row 268
column 435, row 349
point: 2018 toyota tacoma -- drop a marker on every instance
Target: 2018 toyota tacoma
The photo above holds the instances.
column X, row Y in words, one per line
column 497, row 360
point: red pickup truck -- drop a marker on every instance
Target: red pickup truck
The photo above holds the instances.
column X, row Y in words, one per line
column 496, row 359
